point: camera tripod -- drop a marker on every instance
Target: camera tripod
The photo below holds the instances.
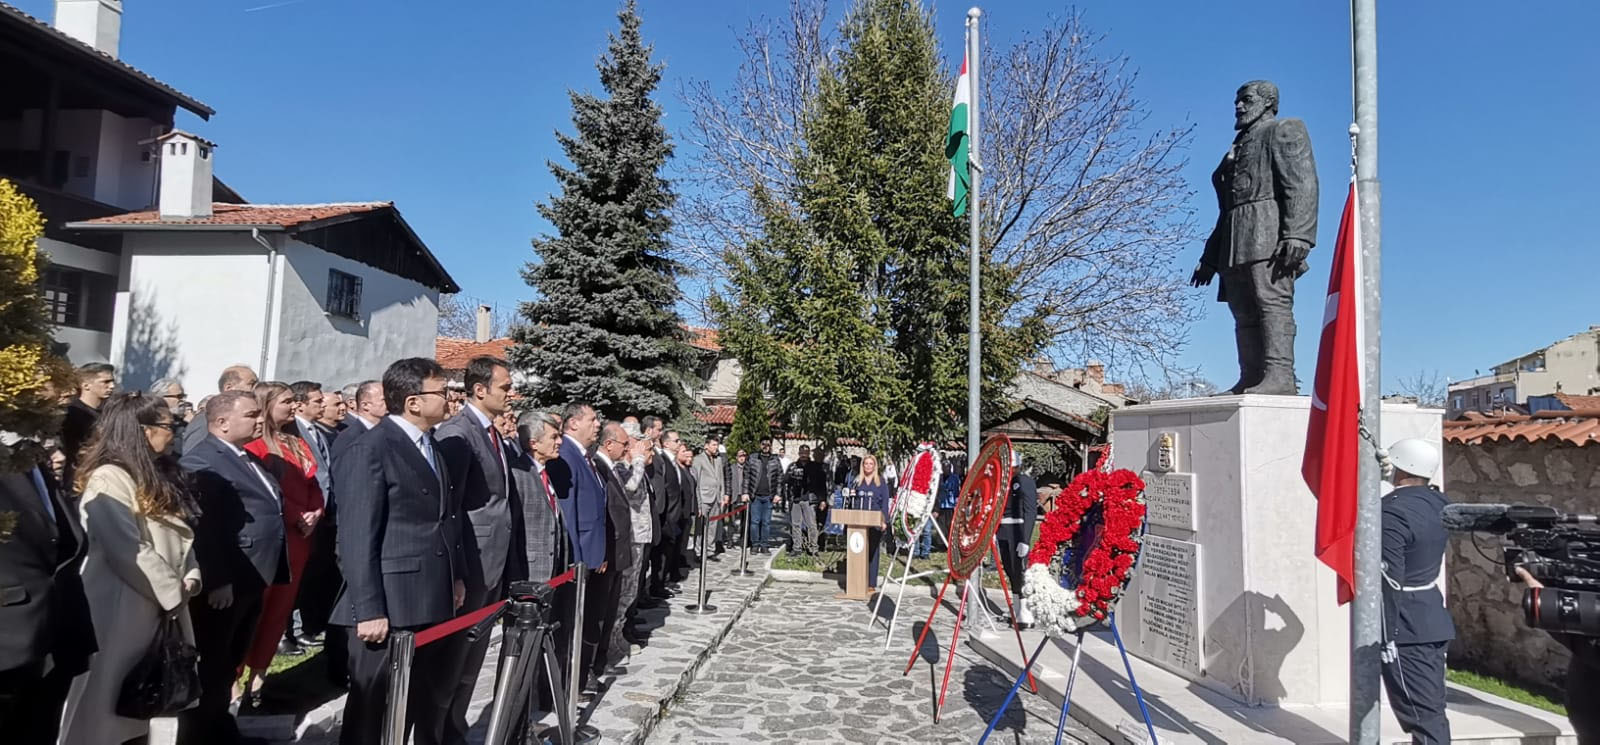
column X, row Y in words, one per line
column 527, row 638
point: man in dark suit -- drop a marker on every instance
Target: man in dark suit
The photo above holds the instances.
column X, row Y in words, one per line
column 1016, row 531
column 614, row 442
column 233, row 378
column 46, row 637
column 401, row 552
column 480, row 470
column 368, row 409
column 666, row 486
column 240, row 547
column 582, row 500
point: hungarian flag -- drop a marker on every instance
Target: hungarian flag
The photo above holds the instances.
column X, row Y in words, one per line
column 1332, row 457
column 955, row 145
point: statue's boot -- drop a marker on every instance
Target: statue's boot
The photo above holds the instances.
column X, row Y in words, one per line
column 1248, row 340
column 1277, row 342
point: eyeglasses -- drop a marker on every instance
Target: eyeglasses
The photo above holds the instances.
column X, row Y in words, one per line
column 441, row 392
column 169, row 426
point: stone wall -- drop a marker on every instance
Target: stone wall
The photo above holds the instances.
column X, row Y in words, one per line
column 1490, row 634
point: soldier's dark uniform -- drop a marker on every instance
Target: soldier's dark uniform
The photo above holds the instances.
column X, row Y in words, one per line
column 1414, row 617
column 1266, row 192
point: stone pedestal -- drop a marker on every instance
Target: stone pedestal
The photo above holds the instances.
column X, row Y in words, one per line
column 1229, row 593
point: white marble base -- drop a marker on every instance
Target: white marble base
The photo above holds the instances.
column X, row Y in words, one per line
column 1267, row 624
column 1184, row 712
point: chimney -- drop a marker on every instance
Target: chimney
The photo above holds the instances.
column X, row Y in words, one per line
column 185, row 175
column 1096, row 370
column 485, row 323
column 97, row 23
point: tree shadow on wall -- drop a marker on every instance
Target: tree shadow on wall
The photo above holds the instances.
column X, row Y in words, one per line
column 152, row 351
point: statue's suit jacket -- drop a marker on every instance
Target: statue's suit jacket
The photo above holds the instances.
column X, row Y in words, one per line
column 1266, row 192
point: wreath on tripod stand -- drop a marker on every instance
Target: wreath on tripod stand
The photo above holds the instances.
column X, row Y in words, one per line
column 1087, row 549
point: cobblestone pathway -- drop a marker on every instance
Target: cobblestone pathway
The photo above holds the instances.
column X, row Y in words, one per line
column 801, row 667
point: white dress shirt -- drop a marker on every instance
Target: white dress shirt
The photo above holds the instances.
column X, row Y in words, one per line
column 418, row 438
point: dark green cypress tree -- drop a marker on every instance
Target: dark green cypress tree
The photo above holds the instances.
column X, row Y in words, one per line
column 603, row 329
column 752, row 419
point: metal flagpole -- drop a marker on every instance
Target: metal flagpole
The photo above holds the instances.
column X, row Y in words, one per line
column 1366, row 612
column 974, row 173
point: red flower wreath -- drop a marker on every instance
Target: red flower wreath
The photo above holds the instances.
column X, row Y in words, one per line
column 1105, row 571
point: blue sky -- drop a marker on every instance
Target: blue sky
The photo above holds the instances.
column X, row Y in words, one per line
column 1488, row 114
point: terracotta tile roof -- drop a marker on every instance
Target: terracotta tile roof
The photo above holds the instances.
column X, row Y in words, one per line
column 701, row 337
column 1579, row 403
column 720, row 414
column 1571, row 427
column 247, row 215
column 454, row 354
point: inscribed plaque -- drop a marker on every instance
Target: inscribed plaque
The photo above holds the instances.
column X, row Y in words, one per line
column 1169, row 603
column 1169, row 500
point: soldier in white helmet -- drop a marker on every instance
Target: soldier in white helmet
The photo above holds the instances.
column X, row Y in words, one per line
column 1417, row 628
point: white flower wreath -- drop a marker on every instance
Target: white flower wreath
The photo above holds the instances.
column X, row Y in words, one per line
column 1052, row 605
column 912, row 506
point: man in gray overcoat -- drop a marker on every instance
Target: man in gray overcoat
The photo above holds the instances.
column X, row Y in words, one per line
column 1267, row 193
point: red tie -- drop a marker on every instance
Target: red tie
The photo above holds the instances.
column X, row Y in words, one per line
column 549, row 491
column 499, row 450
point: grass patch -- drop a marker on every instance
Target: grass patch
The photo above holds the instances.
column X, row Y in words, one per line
column 1505, row 689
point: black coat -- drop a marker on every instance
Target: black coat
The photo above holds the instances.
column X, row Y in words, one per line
column 400, row 532
column 43, row 611
column 76, row 428
column 240, row 539
column 752, row 474
column 480, row 472
column 666, row 485
column 619, row 518
column 1414, row 541
column 1022, row 504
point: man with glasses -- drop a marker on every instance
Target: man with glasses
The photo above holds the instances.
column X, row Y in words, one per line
column 401, row 553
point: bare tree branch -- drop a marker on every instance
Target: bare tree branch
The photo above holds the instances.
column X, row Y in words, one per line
column 1428, row 387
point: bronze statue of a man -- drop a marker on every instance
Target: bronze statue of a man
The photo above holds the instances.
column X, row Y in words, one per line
column 1267, row 193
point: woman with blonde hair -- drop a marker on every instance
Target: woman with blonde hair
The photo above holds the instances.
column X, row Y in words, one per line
column 140, row 569
column 288, row 458
column 870, row 484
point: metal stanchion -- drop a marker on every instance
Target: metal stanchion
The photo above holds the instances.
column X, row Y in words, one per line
column 580, row 579
column 402, row 648
column 700, row 607
column 744, row 547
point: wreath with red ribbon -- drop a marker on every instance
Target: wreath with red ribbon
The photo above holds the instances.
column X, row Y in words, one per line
column 979, row 507
column 1103, row 571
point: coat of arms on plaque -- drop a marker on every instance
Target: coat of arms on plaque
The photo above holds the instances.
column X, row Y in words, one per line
column 1166, row 452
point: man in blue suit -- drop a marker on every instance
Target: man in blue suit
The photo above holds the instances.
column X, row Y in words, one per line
column 581, row 497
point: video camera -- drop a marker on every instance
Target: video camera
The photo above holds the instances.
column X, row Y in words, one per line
column 1559, row 549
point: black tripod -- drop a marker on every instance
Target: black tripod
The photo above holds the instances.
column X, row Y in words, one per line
column 527, row 634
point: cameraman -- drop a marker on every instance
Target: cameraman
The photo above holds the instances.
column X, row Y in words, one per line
column 1583, row 677
column 1416, row 627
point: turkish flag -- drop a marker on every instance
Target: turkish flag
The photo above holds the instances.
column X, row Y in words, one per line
column 1331, row 461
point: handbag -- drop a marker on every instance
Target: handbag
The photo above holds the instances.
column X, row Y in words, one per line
column 166, row 680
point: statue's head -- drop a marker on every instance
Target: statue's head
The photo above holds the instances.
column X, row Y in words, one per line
column 1256, row 100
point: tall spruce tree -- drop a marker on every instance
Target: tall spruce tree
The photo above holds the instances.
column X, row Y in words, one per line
column 603, row 329
column 752, row 420
column 852, row 308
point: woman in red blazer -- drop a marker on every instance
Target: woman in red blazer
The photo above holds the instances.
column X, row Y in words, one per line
column 288, row 458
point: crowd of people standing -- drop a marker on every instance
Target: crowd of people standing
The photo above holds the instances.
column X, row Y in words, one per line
column 271, row 517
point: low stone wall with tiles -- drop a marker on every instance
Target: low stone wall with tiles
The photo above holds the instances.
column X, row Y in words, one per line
column 1490, row 634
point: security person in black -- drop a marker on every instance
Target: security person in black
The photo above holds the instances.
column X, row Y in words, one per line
column 1416, row 626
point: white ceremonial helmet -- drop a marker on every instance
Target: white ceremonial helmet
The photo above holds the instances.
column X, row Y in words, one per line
column 1416, row 457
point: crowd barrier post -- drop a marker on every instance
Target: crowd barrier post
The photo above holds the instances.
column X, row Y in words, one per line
column 402, row 649
column 700, row 607
column 744, row 546
column 580, row 580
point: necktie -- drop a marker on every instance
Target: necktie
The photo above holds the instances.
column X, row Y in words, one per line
column 427, row 452
column 499, row 449
column 261, row 473
column 549, row 491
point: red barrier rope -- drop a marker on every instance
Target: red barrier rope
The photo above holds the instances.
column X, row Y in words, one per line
column 729, row 513
column 435, row 633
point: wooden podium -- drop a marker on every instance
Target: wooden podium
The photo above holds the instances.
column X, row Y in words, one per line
column 855, row 574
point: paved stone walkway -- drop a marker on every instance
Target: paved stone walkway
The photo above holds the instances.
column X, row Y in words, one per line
column 802, row 667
